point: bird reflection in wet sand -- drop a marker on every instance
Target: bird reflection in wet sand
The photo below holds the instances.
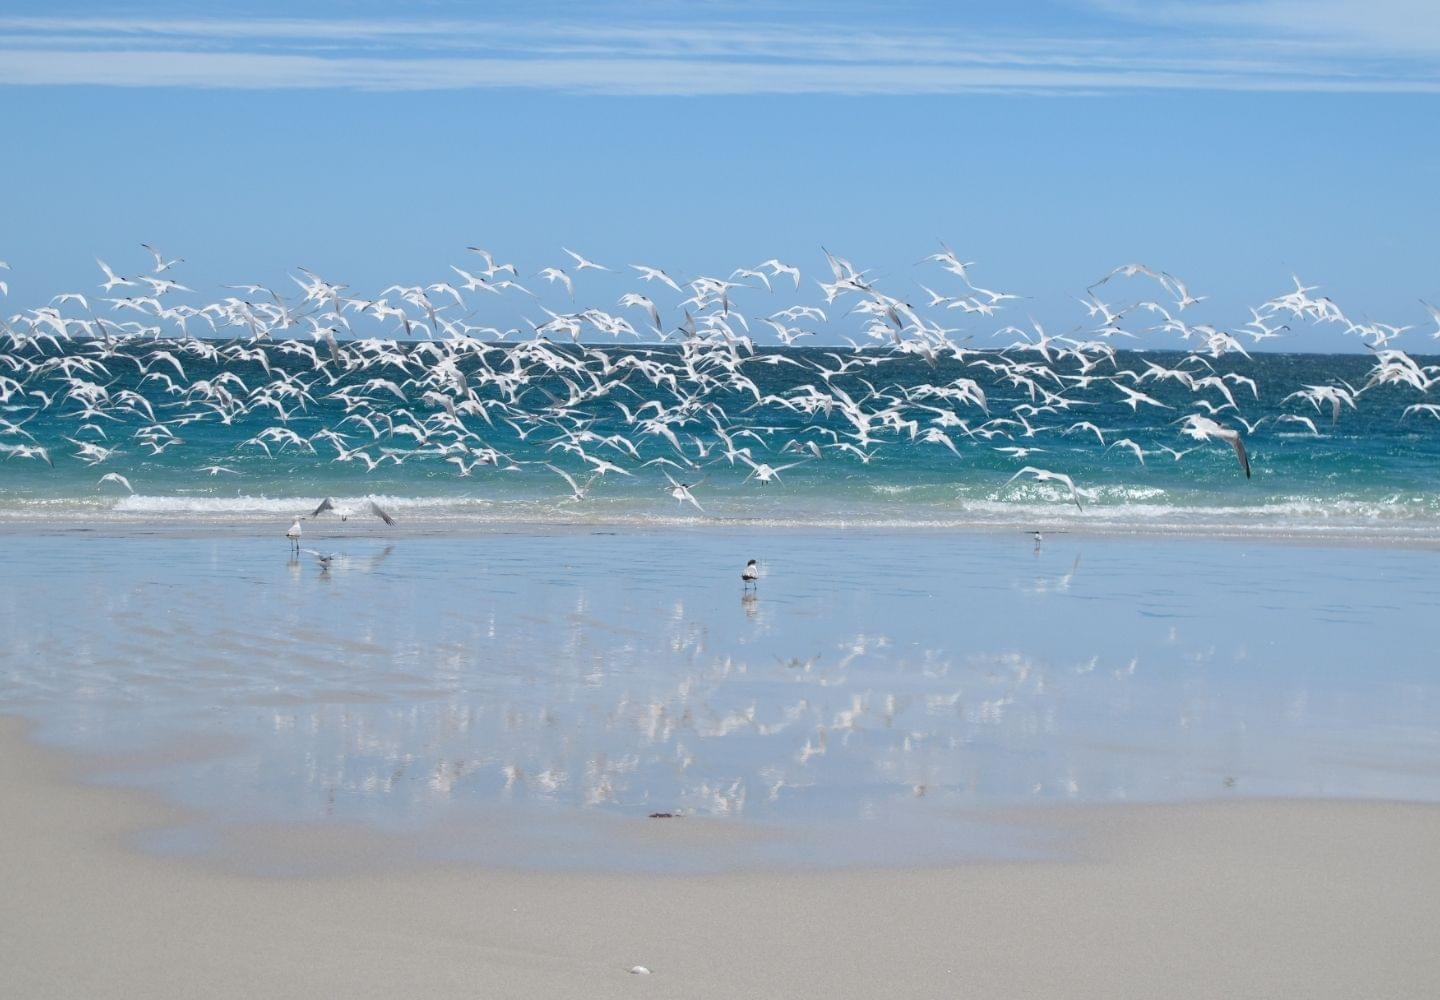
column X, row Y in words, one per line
column 324, row 559
column 1055, row 584
column 374, row 563
column 338, row 560
column 829, row 706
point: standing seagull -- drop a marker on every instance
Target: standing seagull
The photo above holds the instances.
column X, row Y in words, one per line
column 294, row 535
column 750, row 574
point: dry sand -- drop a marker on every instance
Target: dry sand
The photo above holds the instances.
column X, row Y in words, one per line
column 1240, row 899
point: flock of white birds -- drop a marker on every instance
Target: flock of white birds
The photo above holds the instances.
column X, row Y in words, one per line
column 413, row 370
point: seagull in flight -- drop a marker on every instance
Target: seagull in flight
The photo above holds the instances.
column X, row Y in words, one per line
column 1204, row 429
column 581, row 263
column 681, row 492
column 763, row 473
column 161, row 264
column 347, row 512
column 778, row 268
column 553, row 274
column 112, row 280
column 115, row 477
column 577, row 492
column 1044, row 475
column 648, row 273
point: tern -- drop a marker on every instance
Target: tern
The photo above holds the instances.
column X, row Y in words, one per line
column 553, row 274
column 347, row 512
column 681, row 492
column 655, row 274
column 1203, row 429
column 161, row 264
column 577, row 492
column 582, row 264
column 324, row 559
column 763, row 473
column 112, row 280
column 1043, row 475
column 750, row 574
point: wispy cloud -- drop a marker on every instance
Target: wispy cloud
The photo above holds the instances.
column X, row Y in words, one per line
column 1381, row 29
column 1232, row 46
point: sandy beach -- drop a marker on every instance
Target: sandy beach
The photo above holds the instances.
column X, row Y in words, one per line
column 1245, row 899
column 220, row 782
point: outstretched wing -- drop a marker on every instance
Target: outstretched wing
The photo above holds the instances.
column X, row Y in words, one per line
column 327, row 504
column 564, row 475
column 375, row 509
column 1240, row 454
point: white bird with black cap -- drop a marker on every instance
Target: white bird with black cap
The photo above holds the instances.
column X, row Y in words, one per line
column 750, row 575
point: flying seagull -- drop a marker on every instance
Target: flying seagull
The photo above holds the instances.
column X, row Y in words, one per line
column 1203, row 429
column 681, row 492
column 345, row 512
column 1042, row 475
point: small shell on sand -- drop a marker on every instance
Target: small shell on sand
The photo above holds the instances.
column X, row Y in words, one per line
column 639, row 970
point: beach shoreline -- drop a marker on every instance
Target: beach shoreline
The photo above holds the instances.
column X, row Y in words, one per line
column 256, row 525
column 1243, row 899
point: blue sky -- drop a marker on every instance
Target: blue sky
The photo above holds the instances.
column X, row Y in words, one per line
column 1229, row 143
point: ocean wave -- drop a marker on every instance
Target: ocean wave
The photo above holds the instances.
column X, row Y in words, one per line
column 1120, row 510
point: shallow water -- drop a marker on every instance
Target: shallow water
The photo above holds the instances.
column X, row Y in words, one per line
column 879, row 693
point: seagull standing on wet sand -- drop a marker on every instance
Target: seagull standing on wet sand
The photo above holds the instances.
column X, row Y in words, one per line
column 750, row 574
column 294, row 535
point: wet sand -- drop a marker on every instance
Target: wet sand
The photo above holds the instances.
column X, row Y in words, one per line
column 1236, row 899
column 878, row 690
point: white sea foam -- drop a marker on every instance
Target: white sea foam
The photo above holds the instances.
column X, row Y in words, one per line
column 1110, row 510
